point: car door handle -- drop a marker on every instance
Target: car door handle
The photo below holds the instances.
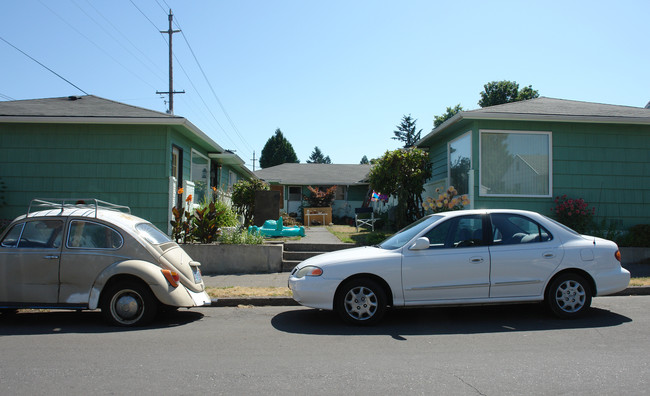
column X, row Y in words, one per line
column 549, row 255
column 476, row 260
column 51, row 257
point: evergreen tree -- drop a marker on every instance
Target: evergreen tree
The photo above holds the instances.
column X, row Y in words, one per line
column 406, row 131
column 364, row 161
column 317, row 157
column 277, row 151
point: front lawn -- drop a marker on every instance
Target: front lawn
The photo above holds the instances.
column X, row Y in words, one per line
column 364, row 237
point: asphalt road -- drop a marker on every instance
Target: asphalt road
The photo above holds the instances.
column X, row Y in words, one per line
column 511, row 350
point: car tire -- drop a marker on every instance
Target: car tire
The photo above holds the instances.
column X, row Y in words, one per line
column 568, row 296
column 361, row 302
column 129, row 303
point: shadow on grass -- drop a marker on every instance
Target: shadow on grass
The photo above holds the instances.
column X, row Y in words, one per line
column 445, row 320
column 85, row 322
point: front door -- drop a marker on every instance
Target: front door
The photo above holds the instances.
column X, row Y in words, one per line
column 456, row 265
column 30, row 254
column 294, row 200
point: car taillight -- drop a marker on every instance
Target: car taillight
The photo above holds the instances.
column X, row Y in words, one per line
column 618, row 255
column 172, row 277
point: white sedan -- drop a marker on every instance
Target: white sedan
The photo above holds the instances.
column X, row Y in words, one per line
column 464, row 257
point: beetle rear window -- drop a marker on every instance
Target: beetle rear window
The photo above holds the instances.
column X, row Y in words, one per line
column 152, row 234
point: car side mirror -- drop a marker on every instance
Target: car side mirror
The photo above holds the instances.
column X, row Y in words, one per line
column 420, row 244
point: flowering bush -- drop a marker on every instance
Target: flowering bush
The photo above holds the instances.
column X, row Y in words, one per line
column 573, row 213
column 447, row 201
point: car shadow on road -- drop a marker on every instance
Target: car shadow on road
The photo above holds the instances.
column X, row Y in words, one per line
column 86, row 322
column 445, row 320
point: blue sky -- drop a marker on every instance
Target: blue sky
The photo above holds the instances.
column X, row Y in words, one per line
column 334, row 74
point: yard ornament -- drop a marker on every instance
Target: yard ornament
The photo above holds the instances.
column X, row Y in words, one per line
column 272, row 228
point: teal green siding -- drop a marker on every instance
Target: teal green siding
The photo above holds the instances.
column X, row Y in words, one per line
column 608, row 165
column 115, row 163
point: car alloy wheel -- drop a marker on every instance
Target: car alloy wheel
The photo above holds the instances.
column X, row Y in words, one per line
column 361, row 301
column 569, row 296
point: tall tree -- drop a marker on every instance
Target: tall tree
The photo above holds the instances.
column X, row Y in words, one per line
column 402, row 174
column 406, row 131
column 500, row 92
column 277, row 151
column 364, row 161
column 451, row 111
column 317, row 157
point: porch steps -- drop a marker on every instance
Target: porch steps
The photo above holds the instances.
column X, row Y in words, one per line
column 295, row 253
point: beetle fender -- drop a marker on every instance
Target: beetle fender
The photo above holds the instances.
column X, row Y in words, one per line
column 148, row 273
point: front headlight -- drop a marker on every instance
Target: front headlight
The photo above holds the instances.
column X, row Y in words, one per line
column 309, row 270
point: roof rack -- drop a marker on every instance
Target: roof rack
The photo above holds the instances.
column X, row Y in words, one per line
column 74, row 203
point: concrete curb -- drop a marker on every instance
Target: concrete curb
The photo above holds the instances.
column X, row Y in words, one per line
column 288, row 301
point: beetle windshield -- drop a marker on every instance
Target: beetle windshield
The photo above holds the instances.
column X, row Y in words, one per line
column 409, row 232
column 153, row 235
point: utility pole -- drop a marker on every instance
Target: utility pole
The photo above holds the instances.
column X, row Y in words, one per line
column 171, row 91
column 253, row 161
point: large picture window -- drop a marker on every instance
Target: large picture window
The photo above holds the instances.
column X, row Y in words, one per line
column 516, row 164
column 460, row 162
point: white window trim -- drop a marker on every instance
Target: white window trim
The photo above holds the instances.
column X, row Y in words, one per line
column 505, row 131
column 471, row 161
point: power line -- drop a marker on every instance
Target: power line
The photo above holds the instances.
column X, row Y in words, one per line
column 95, row 44
column 50, row 70
column 223, row 109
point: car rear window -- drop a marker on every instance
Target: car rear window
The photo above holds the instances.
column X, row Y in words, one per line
column 151, row 234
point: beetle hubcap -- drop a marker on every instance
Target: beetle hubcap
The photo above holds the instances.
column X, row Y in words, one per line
column 127, row 306
column 360, row 303
column 570, row 296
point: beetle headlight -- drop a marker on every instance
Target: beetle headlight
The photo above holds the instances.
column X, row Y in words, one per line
column 309, row 270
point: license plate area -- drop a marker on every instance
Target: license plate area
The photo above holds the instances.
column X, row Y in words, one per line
column 196, row 271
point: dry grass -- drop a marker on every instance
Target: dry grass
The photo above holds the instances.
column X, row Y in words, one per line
column 241, row 291
column 640, row 281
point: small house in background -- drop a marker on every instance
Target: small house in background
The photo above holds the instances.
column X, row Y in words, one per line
column 521, row 155
column 293, row 180
column 90, row 147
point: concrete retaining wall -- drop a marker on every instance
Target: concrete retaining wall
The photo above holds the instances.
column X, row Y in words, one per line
column 236, row 259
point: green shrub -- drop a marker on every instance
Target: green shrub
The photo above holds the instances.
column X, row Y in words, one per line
column 240, row 237
column 637, row 236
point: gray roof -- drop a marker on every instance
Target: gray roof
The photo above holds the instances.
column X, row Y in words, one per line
column 550, row 109
column 91, row 109
column 89, row 106
column 315, row 174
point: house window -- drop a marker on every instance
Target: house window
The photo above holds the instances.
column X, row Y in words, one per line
column 460, row 162
column 340, row 193
column 515, row 164
column 200, row 176
column 232, row 179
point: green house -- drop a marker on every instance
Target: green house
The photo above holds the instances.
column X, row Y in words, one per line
column 90, row 147
column 522, row 155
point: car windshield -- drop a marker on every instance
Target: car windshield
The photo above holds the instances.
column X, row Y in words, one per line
column 150, row 233
column 409, row 232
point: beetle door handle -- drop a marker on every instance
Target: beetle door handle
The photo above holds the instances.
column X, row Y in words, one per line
column 476, row 260
column 549, row 255
column 51, row 257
